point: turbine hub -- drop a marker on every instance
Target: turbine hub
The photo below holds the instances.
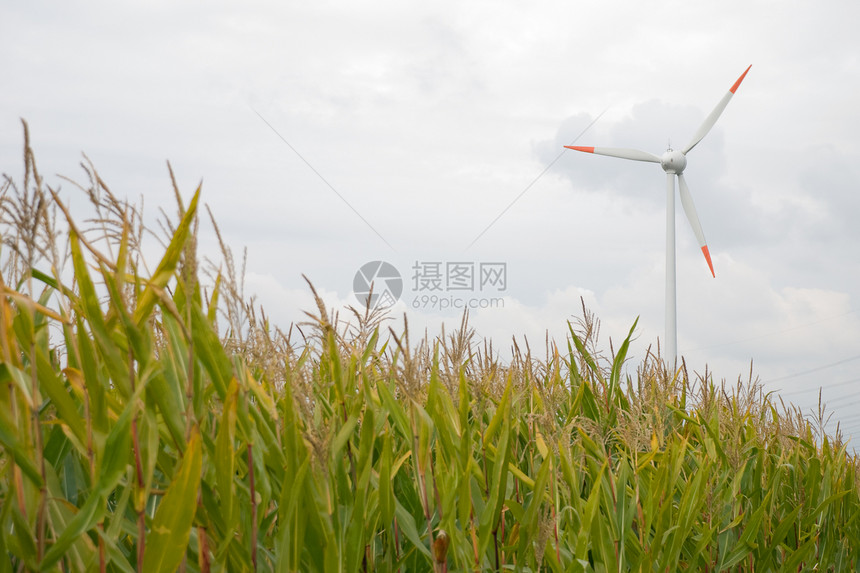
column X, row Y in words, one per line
column 673, row 161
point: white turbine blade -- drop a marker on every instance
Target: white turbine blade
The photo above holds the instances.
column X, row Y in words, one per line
column 690, row 210
column 634, row 154
column 715, row 115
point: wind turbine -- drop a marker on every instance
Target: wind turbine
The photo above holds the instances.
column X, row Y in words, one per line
column 673, row 163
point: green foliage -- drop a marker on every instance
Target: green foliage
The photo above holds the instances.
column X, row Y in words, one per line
column 140, row 436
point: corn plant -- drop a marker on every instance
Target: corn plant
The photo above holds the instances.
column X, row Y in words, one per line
column 156, row 421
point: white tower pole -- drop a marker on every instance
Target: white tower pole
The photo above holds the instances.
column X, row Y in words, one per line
column 671, row 321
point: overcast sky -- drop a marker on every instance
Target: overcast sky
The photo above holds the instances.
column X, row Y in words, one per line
column 428, row 119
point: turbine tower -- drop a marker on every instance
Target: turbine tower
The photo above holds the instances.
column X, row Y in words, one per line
column 673, row 163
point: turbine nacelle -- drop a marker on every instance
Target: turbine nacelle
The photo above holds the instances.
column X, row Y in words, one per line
column 673, row 161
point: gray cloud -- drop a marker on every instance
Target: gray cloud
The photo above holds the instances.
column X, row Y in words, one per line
column 725, row 209
column 431, row 118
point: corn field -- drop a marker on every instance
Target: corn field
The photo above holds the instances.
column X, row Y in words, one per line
column 154, row 420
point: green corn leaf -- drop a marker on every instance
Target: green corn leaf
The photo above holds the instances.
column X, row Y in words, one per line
column 745, row 545
column 115, row 555
column 500, row 415
column 370, row 348
column 225, row 458
column 583, row 352
column 137, row 337
column 108, row 348
column 67, row 409
column 386, row 491
column 585, row 402
column 210, row 352
column 9, row 440
column 441, row 410
column 291, row 520
column 401, row 422
column 688, row 509
column 116, row 452
column 52, row 282
column 366, row 447
column 830, row 500
column 789, row 521
column 406, row 523
column 164, row 392
column 529, row 527
column 590, row 512
column 621, row 356
column 492, row 512
column 334, row 363
column 464, row 398
column 803, row 554
column 212, row 312
column 84, row 520
column 5, row 564
column 22, row 543
column 11, row 374
column 344, row 434
column 171, row 528
column 167, row 266
column 61, row 514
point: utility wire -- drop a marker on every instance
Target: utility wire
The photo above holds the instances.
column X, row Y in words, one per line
column 768, row 334
column 535, row 180
column 812, row 370
column 323, row 179
column 816, row 388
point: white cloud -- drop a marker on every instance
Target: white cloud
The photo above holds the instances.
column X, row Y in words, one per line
column 429, row 119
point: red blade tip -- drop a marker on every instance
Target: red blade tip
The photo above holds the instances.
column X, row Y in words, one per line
column 708, row 258
column 584, row 149
column 740, row 79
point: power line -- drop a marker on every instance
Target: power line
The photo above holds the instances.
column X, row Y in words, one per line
column 323, row 179
column 829, row 386
column 768, row 334
column 852, row 417
column 535, row 180
column 812, row 370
